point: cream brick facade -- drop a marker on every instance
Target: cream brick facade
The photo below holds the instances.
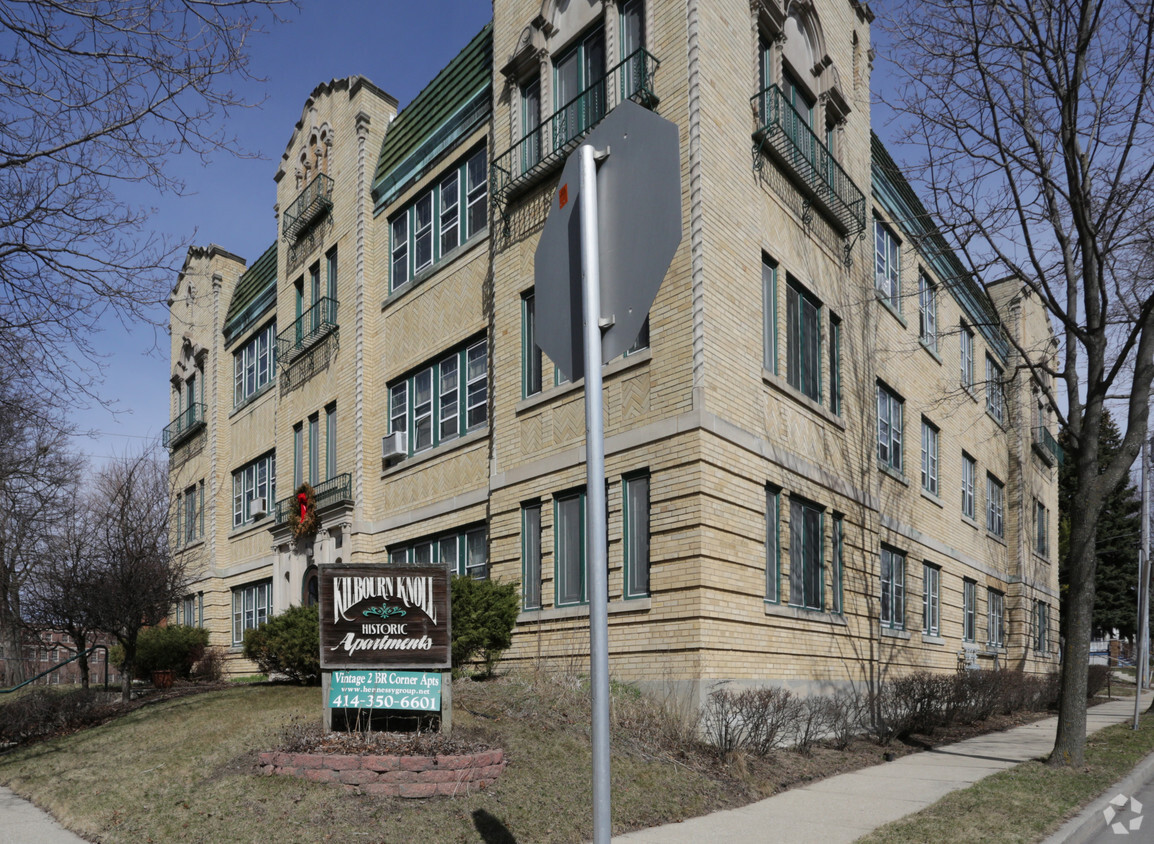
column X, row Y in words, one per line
column 743, row 414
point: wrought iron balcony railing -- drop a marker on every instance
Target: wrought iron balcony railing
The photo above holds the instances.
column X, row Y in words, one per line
column 1047, row 447
column 317, row 322
column 336, row 490
column 187, row 422
column 314, row 200
column 544, row 147
column 786, row 134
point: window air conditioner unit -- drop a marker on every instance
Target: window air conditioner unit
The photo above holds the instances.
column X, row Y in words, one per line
column 257, row 507
column 394, row 446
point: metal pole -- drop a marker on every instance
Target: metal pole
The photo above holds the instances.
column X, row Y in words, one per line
column 1143, row 594
column 596, row 553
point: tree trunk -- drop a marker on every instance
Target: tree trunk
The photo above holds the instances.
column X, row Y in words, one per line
column 1070, row 743
column 12, row 647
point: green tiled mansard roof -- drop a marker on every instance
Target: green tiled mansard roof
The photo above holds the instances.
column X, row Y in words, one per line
column 452, row 105
column 251, row 296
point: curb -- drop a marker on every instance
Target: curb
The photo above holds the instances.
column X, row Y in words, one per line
column 1089, row 822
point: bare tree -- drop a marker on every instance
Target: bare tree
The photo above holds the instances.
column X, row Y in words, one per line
column 135, row 581
column 1034, row 122
column 94, row 96
column 35, row 471
column 60, row 588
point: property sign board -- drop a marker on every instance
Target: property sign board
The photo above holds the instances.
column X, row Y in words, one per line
column 384, row 617
column 419, row 691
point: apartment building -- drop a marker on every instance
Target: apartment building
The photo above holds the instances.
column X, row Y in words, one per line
column 826, row 455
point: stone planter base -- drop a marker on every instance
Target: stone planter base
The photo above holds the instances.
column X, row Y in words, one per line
column 392, row 776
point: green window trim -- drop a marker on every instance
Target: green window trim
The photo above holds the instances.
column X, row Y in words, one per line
column 254, row 364
column 255, row 479
column 835, row 400
column 531, row 556
column 443, row 400
column 570, row 581
column 893, row 589
column 806, row 555
column 442, row 218
column 803, row 340
column 772, row 544
column 890, row 429
column 769, row 313
column 969, row 611
column 837, row 565
column 635, row 506
column 931, row 600
column 464, row 550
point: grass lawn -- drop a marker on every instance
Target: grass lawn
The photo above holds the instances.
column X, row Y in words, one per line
column 184, row 770
column 1029, row 801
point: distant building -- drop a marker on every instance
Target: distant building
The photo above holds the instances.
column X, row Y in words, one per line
column 826, row 461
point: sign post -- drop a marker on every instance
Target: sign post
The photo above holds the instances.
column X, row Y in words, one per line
column 596, row 277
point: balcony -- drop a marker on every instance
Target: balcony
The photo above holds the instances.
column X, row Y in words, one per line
column 186, row 423
column 544, row 148
column 312, row 326
column 1047, row 447
column 785, row 135
column 315, row 200
column 336, row 490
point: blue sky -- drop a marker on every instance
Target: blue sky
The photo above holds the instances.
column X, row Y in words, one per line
column 398, row 45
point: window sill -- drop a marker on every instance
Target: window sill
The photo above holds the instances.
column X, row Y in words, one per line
column 999, row 422
column 930, row 639
column 257, row 524
column 783, row 387
column 969, row 390
column 889, row 307
column 435, row 452
column 252, row 399
column 801, row 614
column 446, row 261
column 970, row 522
column 582, row 610
column 1042, row 558
column 932, row 349
column 895, row 633
column 196, row 543
column 929, row 496
column 889, row 471
column 1001, row 540
column 612, row 368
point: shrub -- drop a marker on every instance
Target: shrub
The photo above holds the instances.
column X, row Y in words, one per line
column 46, row 712
column 812, row 722
column 288, row 644
column 847, row 713
column 722, row 722
column 768, row 716
column 1096, row 680
column 210, row 666
column 174, row 647
column 484, row 613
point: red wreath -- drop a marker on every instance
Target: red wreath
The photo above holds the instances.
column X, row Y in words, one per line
column 303, row 517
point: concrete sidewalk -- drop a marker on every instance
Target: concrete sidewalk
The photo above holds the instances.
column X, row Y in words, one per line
column 846, row 807
column 22, row 822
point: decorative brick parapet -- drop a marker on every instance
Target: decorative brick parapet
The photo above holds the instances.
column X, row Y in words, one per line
column 392, row 776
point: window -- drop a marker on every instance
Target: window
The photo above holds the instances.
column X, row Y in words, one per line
column 254, row 364
column 927, row 313
column 331, row 273
column 569, row 548
column 298, row 455
column 931, row 600
column 193, row 515
column 887, row 265
column 460, row 404
column 995, row 393
column 969, row 472
column 191, row 610
column 769, row 314
column 531, row 125
column 929, row 457
column 1041, row 529
column 995, row 506
column 995, row 613
column 433, row 225
column 803, row 340
column 531, row 556
column 251, row 605
column 805, row 552
column 772, row 544
column 314, row 449
column 254, row 480
column 969, row 611
column 530, row 351
column 635, row 503
column 966, row 342
column 893, row 589
column 1041, row 627
column 838, row 567
column 642, row 341
column 835, row 364
column 579, row 88
column 632, row 40
column 889, row 429
column 331, row 441
column 463, row 551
